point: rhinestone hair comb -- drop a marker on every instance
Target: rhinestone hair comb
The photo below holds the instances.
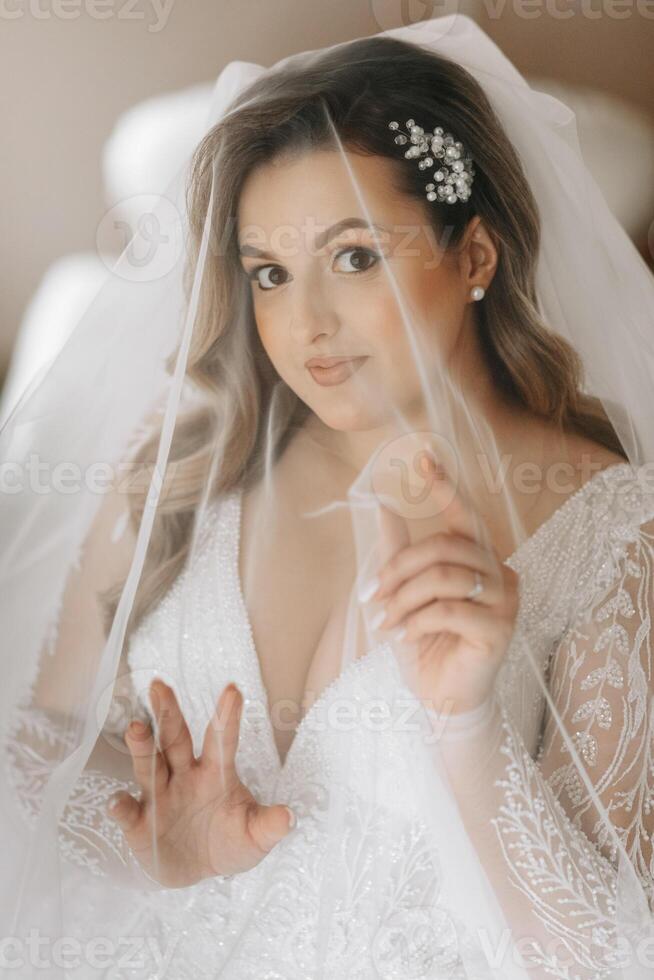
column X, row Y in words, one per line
column 454, row 169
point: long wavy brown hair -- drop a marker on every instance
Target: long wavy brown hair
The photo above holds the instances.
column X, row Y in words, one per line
column 353, row 90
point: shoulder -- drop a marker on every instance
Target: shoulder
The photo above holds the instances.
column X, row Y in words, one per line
column 615, row 517
column 580, row 459
column 601, row 529
column 614, row 496
column 601, row 485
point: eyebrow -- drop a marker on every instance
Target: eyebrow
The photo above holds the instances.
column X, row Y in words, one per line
column 321, row 239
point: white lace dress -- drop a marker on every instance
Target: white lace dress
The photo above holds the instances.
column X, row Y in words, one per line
column 586, row 587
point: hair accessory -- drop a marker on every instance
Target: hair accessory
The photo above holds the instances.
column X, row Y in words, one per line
column 454, row 167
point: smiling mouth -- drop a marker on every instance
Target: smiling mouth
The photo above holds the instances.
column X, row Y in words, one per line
column 333, row 370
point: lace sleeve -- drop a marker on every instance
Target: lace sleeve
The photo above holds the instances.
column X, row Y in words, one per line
column 39, row 740
column 45, row 727
column 539, row 819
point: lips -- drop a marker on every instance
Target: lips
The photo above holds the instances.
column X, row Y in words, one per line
column 326, row 362
column 328, row 371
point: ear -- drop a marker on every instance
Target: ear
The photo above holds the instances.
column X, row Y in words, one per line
column 478, row 255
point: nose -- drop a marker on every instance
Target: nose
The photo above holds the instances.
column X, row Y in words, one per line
column 312, row 315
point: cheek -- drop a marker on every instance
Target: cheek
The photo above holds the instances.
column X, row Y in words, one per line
column 437, row 310
column 395, row 324
column 274, row 341
column 270, row 335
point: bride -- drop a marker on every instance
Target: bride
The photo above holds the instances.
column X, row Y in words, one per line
column 362, row 685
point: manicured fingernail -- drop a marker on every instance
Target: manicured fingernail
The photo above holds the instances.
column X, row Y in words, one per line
column 292, row 819
column 368, row 589
column 378, row 619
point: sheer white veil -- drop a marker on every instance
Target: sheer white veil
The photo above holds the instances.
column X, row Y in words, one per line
column 155, row 392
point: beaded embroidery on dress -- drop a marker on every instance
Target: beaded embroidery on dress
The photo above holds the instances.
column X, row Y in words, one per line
column 427, row 846
column 264, row 923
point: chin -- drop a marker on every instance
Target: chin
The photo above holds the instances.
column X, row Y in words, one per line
column 349, row 418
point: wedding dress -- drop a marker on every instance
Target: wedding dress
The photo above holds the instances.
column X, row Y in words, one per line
column 511, row 841
column 263, row 923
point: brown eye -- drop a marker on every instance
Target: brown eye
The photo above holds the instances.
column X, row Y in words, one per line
column 275, row 276
column 361, row 258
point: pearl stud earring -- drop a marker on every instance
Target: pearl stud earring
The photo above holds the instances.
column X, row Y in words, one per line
column 477, row 292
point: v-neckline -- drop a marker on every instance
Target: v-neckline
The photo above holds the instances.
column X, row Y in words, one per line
column 255, row 663
column 254, row 666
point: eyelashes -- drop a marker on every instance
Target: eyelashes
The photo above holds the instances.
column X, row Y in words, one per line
column 370, row 254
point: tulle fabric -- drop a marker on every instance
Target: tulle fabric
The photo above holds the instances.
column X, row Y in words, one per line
column 533, row 812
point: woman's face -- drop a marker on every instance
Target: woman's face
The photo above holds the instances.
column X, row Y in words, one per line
column 320, row 288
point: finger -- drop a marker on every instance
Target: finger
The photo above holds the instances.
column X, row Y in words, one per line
column 393, row 534
column 450, row 502
column 439, row 547
column 150, row 769
column 438, row 582
column 392, row 537
column 174, row 737
column 222, row 733
column 474, row 623
column 444, row 501
column 267, row 825
column 126, row 811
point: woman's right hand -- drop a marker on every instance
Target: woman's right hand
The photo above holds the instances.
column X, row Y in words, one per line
column 195, row 818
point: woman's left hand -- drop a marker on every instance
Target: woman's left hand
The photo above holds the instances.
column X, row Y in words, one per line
column 454, row 644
